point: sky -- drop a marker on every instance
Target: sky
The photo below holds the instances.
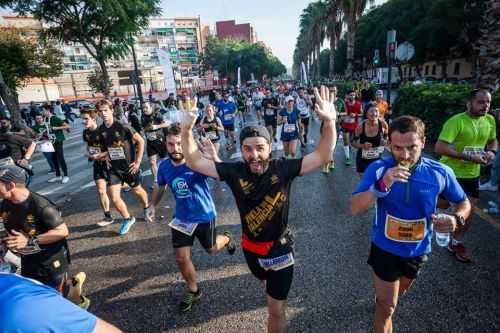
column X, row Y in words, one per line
column 276, row 22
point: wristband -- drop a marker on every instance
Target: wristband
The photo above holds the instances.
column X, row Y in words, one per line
column 378, row 193
column 380, row 186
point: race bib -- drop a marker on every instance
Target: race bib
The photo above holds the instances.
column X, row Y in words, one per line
column 275, row 264
column 116, row 153
column 182, row 226
column 6, row 161
column 473, row 151
column 211, row 135
column 406, row 231
column 151, row 136
column 289, row 128
column 349, row 120
column 228, row 116
column 94, row 150
column 269, row 112
column 372, row 153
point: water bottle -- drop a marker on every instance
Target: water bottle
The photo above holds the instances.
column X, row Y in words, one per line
column 442, row 238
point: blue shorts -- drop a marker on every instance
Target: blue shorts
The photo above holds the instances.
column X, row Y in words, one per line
column 286, row 137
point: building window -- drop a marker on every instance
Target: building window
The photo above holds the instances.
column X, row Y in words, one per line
column 433, row 69
column 410, row 71
column 456, row 70
column 427, row 70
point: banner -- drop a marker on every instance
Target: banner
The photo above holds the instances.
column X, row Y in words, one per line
column 168, row 72
column 304, row 73
column 239, row 77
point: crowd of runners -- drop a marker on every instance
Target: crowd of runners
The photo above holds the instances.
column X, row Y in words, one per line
column 415, row 196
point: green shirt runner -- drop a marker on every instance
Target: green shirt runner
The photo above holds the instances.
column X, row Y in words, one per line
column 468, row 135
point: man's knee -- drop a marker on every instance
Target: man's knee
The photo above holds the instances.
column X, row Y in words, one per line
column 386, row 307
column 182, row 259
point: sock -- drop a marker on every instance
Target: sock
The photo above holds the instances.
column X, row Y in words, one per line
column 107, row 214
column 455, row 242
column 346, row 152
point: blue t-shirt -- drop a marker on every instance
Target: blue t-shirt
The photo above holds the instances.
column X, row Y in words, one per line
column 28, row 306
column 193, row 202
column 290, row 127
column 402, row 224
column 226, row 112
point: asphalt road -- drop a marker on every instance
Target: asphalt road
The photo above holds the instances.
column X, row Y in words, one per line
column 133, row 281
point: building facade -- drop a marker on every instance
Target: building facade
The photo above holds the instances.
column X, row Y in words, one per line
column 231, row 30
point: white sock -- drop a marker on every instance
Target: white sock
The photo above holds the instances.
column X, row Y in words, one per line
column 346, row 152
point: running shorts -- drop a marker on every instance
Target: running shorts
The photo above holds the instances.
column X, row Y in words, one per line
column 156, row 147
column 123, row 176
column 205, row 232
column 229, row 127
column 470, row 186
column 100, row 171
column 390, row 267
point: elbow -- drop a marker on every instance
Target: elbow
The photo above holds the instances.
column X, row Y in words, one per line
column 438, row 149
column 356, row 208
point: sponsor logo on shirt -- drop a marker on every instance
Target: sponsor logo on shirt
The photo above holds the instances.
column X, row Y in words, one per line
column 181, row 188
column 264, row 212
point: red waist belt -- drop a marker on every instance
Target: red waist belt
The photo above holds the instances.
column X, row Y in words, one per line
column 261, row 248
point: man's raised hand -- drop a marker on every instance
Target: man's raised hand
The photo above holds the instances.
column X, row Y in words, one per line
column 325, row 104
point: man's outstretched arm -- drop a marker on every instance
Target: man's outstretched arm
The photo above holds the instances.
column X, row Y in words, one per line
column 194, row 159
column 325, row 108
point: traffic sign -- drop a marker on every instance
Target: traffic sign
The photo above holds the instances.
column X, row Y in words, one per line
column 405, row 52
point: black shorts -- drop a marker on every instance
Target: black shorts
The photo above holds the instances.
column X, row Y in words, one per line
column 278, row 283
column 101, row 171
column 305, row 121
column 390, row 267
column 205, row 232
column 270, row 122
column 53, row 272
column 470, row 186
column 229, row 128
column 361, row 163
column 121, row 176
column 156, row 147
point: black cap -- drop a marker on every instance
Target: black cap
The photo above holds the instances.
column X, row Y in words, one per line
column 12, row 174
column 253, row 132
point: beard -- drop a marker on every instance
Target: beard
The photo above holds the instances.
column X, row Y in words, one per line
column 257, row 166
column 176, row 157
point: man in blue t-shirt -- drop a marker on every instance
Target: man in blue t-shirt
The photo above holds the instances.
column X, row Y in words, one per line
column 226, row 111
column 405, row 189
column 30, row 307
column 194, row 215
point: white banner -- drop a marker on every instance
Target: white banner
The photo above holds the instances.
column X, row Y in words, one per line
column 168, row 72
column 239, row 77
column 304, row 73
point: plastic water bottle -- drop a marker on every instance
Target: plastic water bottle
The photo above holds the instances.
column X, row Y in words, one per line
column 442, row 238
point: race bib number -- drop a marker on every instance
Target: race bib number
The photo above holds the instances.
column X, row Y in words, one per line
column 349, row 120
column 116, row 153
column 406, row 231
column 211, row 135
column 182, row 226
column 275, row 264
column 151, row 136
column 372, row 153
column 269, row 112
column 228, row 116
column 94, row 150
column 6, row 161
column 289, row 128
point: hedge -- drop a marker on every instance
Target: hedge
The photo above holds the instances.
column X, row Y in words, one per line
column 434, row 104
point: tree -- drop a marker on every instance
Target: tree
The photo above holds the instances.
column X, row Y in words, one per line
column 227, row 55
column 488, row 75
column 103, row 28
column 352, row 10
column 24, row 57
column 333, row 30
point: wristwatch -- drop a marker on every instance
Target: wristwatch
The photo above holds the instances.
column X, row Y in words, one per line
column 460, row 220
column 33, row 241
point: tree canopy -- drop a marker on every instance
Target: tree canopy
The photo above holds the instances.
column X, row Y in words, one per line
column 227, row 55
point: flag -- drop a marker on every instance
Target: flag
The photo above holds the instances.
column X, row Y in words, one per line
column 239, row 77
column 304, row 73
column 168, row 72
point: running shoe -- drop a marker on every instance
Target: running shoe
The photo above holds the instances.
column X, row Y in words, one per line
column 189, row 300
column 65, row 179
column 460, row 253
column 126, row 225
column 78, row 281
column 146, row 215
column 107, row 220
column 348, row 161
column 55, row 179
column 85, row 303
column 326, row 168
column 488, row 187
column 231, row 248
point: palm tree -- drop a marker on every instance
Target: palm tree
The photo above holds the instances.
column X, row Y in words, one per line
column 488, row 74
column 333, row 30
column 352, row 9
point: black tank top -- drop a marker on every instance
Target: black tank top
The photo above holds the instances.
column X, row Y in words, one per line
column 374, row 140
column 211, row 131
